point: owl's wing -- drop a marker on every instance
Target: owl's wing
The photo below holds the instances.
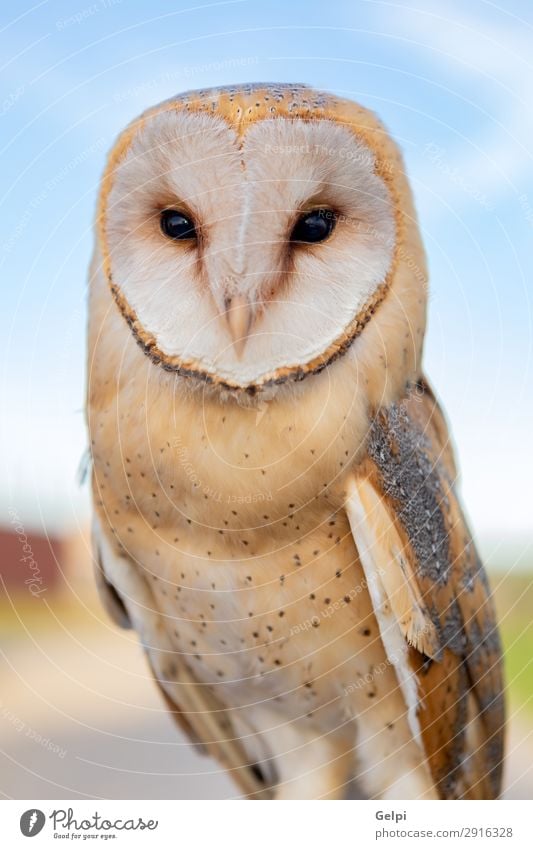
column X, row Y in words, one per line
column 128, row 599
column 427, row 582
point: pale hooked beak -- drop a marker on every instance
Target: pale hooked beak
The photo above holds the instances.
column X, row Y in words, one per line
column 239, row 315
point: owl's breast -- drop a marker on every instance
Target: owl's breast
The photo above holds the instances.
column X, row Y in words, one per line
column 234, row 514
column 287, row 622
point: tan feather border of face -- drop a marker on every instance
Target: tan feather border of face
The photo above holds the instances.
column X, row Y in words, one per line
column 250, row 107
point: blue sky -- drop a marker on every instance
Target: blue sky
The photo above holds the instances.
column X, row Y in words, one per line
column 452, row 81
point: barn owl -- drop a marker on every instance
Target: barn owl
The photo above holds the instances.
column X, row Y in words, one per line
column 275, row 505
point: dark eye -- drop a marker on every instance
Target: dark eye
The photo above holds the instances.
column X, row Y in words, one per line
column 314, row 226
column 176, row 225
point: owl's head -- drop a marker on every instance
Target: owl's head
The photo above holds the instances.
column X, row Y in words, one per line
column 253, row 235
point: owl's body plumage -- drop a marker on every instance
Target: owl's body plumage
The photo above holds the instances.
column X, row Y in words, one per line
column 275, row 514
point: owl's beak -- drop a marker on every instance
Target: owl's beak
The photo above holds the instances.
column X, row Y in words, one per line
column 239, row 315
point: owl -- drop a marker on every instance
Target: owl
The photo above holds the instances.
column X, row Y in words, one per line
column 275, row 502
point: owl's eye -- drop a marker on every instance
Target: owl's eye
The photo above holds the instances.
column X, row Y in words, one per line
column 176, row 225
column 314, row 226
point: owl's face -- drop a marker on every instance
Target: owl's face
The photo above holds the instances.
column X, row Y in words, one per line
column 246, row 257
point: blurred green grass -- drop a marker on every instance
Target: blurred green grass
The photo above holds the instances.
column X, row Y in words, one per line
column 513, row 595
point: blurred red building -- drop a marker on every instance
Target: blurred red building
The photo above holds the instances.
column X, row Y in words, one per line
column 29, row 559
column 35, row 561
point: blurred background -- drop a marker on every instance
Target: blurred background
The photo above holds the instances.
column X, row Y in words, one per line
column 79, row 715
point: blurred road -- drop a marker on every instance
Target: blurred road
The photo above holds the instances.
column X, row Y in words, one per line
column 80, row 717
